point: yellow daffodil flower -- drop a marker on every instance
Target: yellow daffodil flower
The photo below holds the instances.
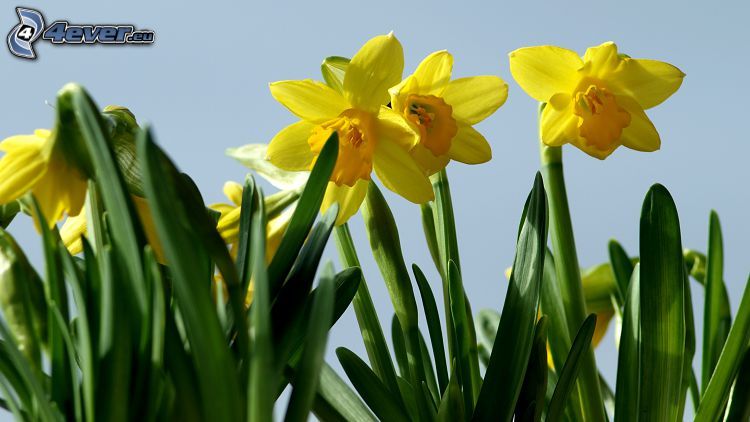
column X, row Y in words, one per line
column 228, row 225
column 371, row 135
column 34, row 163
column 75, row 227
column 443, row 112
column 596, row 102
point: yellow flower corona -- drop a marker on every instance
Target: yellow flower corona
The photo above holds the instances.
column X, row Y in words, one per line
column 371, row 135
column 596, row 102
column 34, row 163
column 443, row 112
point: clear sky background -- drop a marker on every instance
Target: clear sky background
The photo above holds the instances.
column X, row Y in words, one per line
column 203, row 85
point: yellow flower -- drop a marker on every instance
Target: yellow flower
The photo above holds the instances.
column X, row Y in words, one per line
column 76, row 227
column 596, row 103
column 444, row 111
column 228, row 225
column 371, row 135
column 34, row 163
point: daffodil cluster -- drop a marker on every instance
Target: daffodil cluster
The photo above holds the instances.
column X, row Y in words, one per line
column 402, row 129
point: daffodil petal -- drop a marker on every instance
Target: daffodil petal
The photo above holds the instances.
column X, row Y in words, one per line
column 377, row 66
column 289, row 149
column 71, row 233
column 473, row 99
column 349, row 199
column 641, row 134
column 233, row 192
column 558, row 123
column 309, row 100
column 600, row 61
column 592, row 150
column 545, row 70
column 427, row 161
column 434, row 73
column 392, row 126
column 60, row 190
column 228, row 225
column 649, row 82
column 222, row 208
column 400, row 173
column 469, row 146
column 20, row 169
column 149, row 228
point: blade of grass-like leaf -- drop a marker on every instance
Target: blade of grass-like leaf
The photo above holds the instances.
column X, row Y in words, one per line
column 717, row 394
column 83, row 336
column 260, row 403
column 304, row 214
column 738, row 408
column 68, row 341
column 433, row 326
column 367, row 317
column 569, row 372
column 662, row 321
column 689, row 346
column 628, row 358
column 530, row 404
column 243, row 241
column 399, row 348
column 461, row 332
column 504, row 376
column 558, row 335
column 452, row 403
column 431, row 383
column 9, row 401
column 373, row 391
column 335, row 401
column 622, row 267
column 61, row 375
column 308, row 370
column 216, row 374
column 717, row 317
column 156, row 387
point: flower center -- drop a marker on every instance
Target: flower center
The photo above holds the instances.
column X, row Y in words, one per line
column 435, row 121
column 601, row 119
column 356, row 145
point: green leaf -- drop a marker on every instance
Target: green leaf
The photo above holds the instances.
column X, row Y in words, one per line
column 622, row 267
column 738, row 408
column 308, row 370
column 433, row 326
column 399, row 348
column 452, row 404
column 662, row 308
column 628, row 359
column 717, row 317
column 717, row 394
column 173, row 208
column 530, row 404
column 461, row 332
column 569, row 372
column 8, row 212
column 304, row 215
column 373, row 391
column 260, row 404
column 367, row 317
column 333, row 70
column 505, row 372
column 335, row 401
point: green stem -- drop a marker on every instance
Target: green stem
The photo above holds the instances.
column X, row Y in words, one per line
column 569, row 274
column 367, row 317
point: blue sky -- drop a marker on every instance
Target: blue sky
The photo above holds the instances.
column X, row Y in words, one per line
column 203, row 85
